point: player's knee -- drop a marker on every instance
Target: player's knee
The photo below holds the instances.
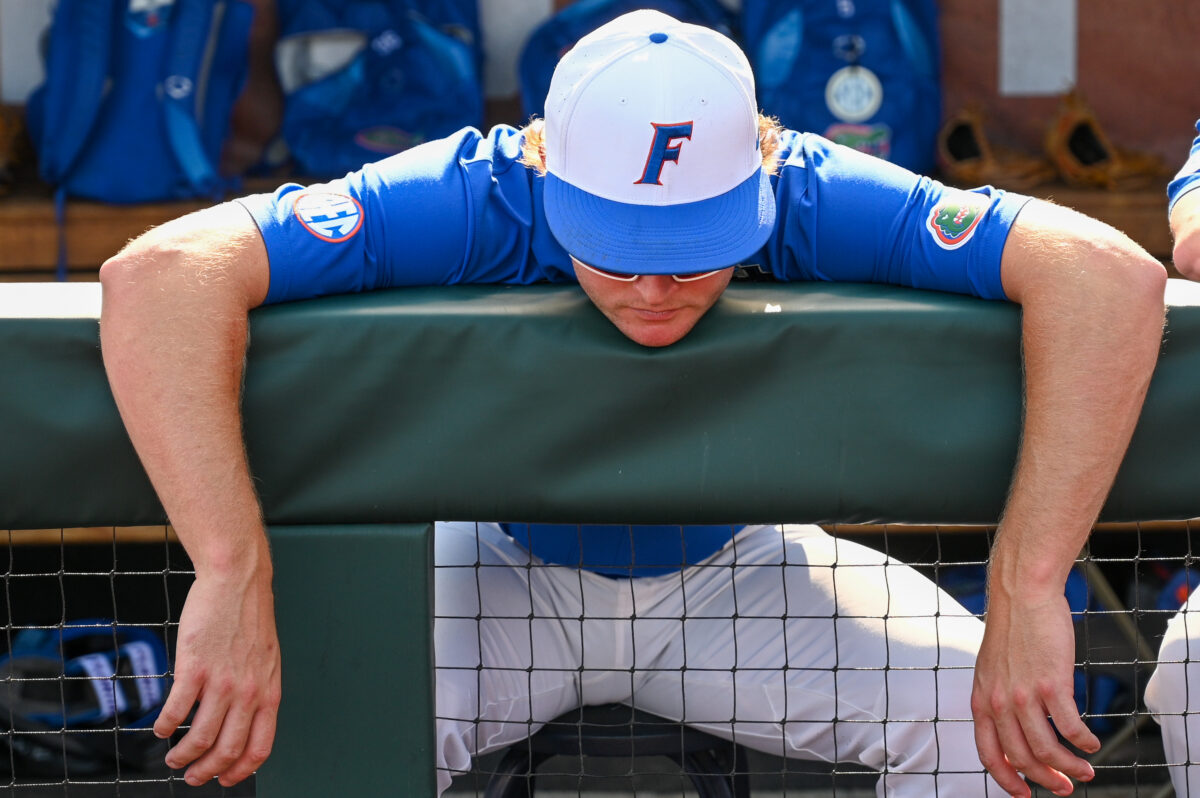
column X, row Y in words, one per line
column 1175, row 684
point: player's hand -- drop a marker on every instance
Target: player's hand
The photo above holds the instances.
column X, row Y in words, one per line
column 227, row 659
column 1024, row 677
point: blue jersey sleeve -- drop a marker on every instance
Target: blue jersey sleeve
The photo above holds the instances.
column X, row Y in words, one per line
column 457, row 210
column 848, row 217
column 1188, row 177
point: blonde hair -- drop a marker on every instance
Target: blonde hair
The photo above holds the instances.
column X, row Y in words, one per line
column 533, row 148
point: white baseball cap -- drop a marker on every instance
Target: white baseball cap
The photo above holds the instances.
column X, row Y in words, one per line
column 652, row 157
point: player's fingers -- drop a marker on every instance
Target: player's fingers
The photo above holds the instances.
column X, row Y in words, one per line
column 258, row 747
column 1048, row 752
column 230, row 742
column 206, row 726
column 1070, row 725
column 993, row 759
column 1042, row 739
column 1020, row 754
column 179, row 703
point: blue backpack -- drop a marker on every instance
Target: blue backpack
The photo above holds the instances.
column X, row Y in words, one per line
column 864, row 73
column 364, row 79
column 548, row 42
column 137, row 98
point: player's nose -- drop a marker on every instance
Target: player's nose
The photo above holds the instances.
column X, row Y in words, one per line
column 655, row 288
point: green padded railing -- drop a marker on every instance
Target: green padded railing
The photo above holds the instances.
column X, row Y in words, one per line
column 799, row 402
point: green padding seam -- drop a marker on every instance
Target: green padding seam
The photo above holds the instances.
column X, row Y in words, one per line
column 797, row 403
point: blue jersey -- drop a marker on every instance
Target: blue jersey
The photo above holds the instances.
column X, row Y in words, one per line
column 1188, row 177
column 464, row 209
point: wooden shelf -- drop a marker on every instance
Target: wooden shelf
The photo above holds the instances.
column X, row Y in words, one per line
column 101, row 535
column 1141, row 214
column 94, row 231
column 1174, row 527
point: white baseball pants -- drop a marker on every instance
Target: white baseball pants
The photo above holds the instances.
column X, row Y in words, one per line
column 1173, row 695
column 811, row 647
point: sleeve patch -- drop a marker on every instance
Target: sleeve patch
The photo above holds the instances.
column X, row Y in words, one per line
column 953, row 220
column 330, row 217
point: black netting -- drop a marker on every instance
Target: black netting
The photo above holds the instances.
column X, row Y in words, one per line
column 739, row 647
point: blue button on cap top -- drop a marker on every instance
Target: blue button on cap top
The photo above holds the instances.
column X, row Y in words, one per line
column 658, row 38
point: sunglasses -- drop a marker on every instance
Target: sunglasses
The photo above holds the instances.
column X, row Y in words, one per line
column 629, row 278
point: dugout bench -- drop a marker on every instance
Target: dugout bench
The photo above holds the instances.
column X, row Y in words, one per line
column 368, row 417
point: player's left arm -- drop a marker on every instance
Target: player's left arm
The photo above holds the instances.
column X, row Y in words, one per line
column 1092, row 317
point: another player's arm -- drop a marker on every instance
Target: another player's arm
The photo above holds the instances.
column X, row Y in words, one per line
column 173, row 331
column 1185, row 227
column 1183, row 192
column 1092, row 315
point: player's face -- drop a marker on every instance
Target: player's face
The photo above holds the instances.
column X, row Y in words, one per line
column 655, row 309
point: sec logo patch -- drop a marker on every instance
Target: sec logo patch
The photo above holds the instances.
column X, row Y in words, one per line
column 853, row 94
column 953, row 221
column 330, row 217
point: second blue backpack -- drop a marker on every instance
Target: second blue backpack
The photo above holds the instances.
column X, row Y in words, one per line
column 364, row 79
column 864, row 73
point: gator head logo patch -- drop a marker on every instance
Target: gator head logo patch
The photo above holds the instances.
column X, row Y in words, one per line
column 330, row 217
column 872, row 139
column 953, row 220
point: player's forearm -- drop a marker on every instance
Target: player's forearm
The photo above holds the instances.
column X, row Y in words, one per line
column 1092, row 313
column 173, row 333
column 1185, row 227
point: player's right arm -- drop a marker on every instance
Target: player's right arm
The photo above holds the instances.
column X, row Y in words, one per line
column 173, row 331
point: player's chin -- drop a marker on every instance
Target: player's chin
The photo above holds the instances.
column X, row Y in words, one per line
column 657, row 332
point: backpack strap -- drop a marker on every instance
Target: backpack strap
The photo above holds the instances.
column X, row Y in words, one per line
column 916, row 45
column 776, row 44
column 204, row 70
column 194, row 26
column 77, row 75
column 225, row 72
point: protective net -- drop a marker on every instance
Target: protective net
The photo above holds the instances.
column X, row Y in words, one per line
column 794, row 661
column 90, row 618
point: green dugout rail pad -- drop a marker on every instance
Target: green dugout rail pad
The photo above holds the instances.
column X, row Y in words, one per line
column 802, row 403
column 354, row 606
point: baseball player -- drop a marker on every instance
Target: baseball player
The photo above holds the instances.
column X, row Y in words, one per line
column 650, row 178
column 1177, row 673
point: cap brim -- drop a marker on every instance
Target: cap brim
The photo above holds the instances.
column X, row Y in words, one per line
column 662, row 239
